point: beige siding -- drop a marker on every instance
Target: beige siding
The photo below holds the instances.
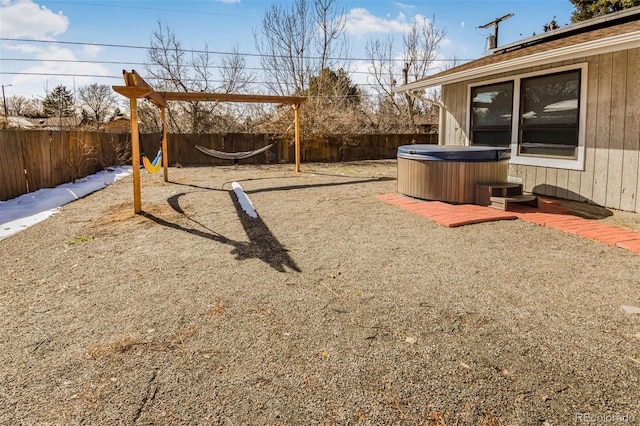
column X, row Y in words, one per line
column 455, row 97
column 611, row 175
column 586, row 178
column 629, row 194
column 603, row 126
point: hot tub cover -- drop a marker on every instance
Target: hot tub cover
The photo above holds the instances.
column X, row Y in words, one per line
column 454, row 153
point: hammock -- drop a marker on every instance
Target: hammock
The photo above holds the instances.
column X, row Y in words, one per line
column 232, row 155
column 155, row 165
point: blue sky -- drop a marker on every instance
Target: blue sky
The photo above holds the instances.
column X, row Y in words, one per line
column 223, row 25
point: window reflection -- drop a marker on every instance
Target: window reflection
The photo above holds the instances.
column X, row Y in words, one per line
column 549, row 115
column 491, row 108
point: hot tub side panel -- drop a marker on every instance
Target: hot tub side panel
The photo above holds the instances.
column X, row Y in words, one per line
column 448, row 181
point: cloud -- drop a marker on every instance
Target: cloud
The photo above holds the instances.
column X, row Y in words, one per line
column 26, row 19
column 461, row 24
column 91, row 50
column 360, row 21
column 403, row 5
column 64, row 70
column 49, row 64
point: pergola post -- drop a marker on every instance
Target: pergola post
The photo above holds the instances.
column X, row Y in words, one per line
column 165, row 158
column 135, row 155
column 135, row 87
column 296, row 109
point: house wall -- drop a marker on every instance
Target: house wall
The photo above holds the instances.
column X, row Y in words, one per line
column 611, row 174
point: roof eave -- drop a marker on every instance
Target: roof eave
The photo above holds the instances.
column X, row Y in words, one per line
column 625, row 41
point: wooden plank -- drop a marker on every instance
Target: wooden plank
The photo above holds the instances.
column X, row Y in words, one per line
column 36, row 160
column 529, row 178
column 573, row 185
column 132, row 92
column 231, row 97
column 539, row 186
column 138, row 81
column 603, row 121
column 460, row 112
column 296, row 109
column 135, row 155
column 630, row 190
column 551, row 182
column 12, row 180
column 587, row 176
column 562, row 181
column 450, row 100
column 616, row 130
column 165, row 154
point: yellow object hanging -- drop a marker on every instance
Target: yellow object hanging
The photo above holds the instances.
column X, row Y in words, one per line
column 153, row 166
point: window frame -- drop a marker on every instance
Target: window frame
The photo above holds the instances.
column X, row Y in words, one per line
column 480, row 128
column 576, row 163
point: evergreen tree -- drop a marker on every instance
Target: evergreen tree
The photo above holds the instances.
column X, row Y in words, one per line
column 588, row 9
column 58, row 103
column 336, row 86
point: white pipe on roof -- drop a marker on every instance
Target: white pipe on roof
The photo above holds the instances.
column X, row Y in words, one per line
column 441, row 109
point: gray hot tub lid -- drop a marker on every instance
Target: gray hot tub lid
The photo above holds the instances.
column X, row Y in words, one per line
column 454, row 153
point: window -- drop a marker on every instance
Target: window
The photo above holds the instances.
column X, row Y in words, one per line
column 549, row 115
column 540, row 115
column 491, row 111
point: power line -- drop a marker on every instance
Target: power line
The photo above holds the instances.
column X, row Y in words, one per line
column 119, row 77
column 80, row 61
column 256, row 55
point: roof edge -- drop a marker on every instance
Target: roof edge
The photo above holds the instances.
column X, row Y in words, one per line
column 629, row 40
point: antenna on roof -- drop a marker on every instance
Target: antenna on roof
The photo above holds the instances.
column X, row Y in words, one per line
column 493, row 39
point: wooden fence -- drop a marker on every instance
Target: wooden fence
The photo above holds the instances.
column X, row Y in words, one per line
column 35, row 159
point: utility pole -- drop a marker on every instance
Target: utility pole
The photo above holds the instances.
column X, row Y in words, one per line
column 4, row 101
column 494, row 43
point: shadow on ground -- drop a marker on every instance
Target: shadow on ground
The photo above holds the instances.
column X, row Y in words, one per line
column 262, row 243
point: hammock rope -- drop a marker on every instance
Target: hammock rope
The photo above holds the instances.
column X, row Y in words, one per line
column 232, row 155
column 235, row 156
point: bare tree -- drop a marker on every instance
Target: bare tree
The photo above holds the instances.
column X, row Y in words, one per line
column 20, row 105
column 382, row 67
column 330, row 40
column 235, row 78
column 383, row 77
column 97, row 101
column 299, row 42
column 420, row 47
column 174, row 68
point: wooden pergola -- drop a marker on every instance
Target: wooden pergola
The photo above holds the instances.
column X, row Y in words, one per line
column 135, row 87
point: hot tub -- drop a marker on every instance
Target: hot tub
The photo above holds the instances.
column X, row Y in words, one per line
column 449, row 173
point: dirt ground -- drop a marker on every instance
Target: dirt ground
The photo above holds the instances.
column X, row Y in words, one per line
column 331, row 307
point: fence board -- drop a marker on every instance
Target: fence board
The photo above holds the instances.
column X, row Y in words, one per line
column 52, row 158
column 37, row 162
column 12, row 179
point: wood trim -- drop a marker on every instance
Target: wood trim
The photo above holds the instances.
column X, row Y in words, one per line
column 231, row 97
column 138, row 81
column 132, row 92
